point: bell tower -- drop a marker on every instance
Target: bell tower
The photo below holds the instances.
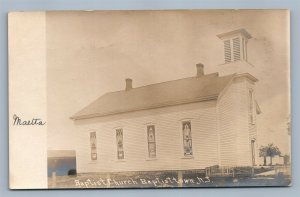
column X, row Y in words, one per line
column 235, row 45
column 235, row 53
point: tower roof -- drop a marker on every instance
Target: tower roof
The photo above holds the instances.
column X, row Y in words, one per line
column 233, row 33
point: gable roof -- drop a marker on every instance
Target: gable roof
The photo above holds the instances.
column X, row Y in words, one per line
column 181, row 91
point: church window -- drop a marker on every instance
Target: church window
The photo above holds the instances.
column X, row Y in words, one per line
column 187, row 138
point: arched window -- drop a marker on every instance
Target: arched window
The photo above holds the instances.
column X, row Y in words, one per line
column 187, row 138
column 120, row 150
column 151, row 141
column 93, row 143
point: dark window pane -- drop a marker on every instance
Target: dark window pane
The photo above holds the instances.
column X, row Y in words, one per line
column 151, row 140
column 119, row 136
column 187, row 138
column 93, row 143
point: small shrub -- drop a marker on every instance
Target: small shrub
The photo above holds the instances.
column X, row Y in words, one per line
column 72, row 172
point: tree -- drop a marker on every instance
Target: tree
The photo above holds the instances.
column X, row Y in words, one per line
column 269, row 151
column 286, row 159
column 263, row 153
column 272, row 151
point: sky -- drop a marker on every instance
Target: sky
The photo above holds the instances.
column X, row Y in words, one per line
column 90, row 53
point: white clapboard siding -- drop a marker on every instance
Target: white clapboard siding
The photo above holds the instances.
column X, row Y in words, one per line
column 234, row 131
column 168, row 134
column 227, row 132
column 252, row 126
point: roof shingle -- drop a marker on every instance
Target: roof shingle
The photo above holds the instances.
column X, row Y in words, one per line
column 181, row 91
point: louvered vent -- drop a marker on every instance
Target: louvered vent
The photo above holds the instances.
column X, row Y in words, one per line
column 236, row 49
column 235, row 45
column 227, row 51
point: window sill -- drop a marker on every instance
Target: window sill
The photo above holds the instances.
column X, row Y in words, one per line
column 120, row 160
column 187, row 157
column 151, row 159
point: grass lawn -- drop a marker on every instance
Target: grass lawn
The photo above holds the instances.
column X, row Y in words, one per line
column 163, row 179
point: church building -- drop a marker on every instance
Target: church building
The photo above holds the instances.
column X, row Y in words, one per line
column 184, row 124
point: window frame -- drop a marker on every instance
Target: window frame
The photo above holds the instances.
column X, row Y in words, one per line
column 93, row 149
column 151, row 142
column 252, row 106
column 190, row 139
column 122, row 143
